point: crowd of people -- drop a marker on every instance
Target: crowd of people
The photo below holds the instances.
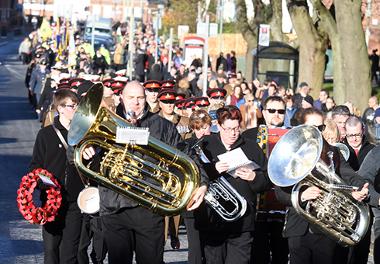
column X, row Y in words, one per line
column 167, row 98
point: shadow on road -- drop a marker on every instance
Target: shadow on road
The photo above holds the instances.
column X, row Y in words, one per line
column 15, row 108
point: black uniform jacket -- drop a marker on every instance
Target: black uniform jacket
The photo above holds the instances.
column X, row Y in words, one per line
column 206, row 218
column 161, row 129
column 295, row 224
column 356, row 161
column 50, row 154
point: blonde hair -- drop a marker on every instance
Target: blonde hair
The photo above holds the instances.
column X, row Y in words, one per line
column 331, row 132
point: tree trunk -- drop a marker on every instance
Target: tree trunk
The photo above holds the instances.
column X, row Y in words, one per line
column 251, row 44
column 354, row 57
column 328, row 25
column 276, row 22
column 311, row 51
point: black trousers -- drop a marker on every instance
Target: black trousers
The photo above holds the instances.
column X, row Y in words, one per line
column 359, row 254
column 195, row 254
column 91, row 230
column 311, row 248
column 269, row 246
column 134, row 229
column 227, row 249
column 61, row 237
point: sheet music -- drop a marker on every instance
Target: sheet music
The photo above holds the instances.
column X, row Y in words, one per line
column 236, row 159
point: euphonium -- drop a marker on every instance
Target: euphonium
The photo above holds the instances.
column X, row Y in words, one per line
column 156, row 175
column 296, row 160
column 222, row 197
column 225, row 200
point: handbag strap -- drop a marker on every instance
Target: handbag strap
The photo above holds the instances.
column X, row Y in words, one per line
column 61, row 138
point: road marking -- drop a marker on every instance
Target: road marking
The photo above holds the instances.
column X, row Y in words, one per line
column 15, row 72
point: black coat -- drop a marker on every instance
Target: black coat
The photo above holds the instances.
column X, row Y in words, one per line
column 50, row 154
column 295, row 224
column 356, row 161
column 206, row 218
column 161, row 129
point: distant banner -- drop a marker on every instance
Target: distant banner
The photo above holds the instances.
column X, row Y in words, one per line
column 264, row 35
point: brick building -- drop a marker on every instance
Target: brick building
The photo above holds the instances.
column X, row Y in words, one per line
column 119, row 10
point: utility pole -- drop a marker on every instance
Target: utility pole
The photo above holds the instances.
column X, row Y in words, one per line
column 205, row 56
column 130, row 43
column 170, row 49
column 220, row 16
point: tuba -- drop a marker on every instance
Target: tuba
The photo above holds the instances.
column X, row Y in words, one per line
column 221, row 196
column 295, row 160
column 155, row 175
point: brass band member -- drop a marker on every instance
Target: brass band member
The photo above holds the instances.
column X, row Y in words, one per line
column 307, row 244
column 200, row 123
column 269, row 246
column 231, row 242
column 167, row 98
column 152, row 88
column 127, row 226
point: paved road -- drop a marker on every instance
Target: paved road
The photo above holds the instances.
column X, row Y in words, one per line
column 21, row 242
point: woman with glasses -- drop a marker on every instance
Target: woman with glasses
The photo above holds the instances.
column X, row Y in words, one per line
column 307, row 243
column 231, row 242
column 60, row 237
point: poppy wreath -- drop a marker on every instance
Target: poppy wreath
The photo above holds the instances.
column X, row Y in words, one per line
column 26, row 206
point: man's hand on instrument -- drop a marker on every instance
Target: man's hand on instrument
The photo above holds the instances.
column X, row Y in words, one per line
column 362, row 194
column 197, row 198
column 310, row 193
column 221, row 166
column 245, row 174
column 88, row 153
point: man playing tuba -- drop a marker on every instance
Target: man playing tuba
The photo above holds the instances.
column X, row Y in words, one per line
column 127, row 226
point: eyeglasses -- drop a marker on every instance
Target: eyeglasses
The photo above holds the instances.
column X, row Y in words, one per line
column 218, row 97
column 72, row 106
column 279, row 111
column 321, row 127
column 358, row 135
column 231, row 129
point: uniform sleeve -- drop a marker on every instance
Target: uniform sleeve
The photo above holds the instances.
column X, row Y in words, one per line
column 348, row 175
column 369, row 169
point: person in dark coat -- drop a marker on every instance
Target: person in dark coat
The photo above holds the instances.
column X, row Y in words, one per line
column 231, row 242
column 359, row 147
column 140, row 60
column 307, row 243
column 99, row 63
column 60, row 237
column 200, row 123
column 370, row 170
column 127, row 226
column 356, row 142
column 221, row 63
column 155, row 73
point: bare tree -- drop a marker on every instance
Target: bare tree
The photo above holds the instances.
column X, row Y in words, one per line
column 312, row 41
column 352, row 76
column 250, row 14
